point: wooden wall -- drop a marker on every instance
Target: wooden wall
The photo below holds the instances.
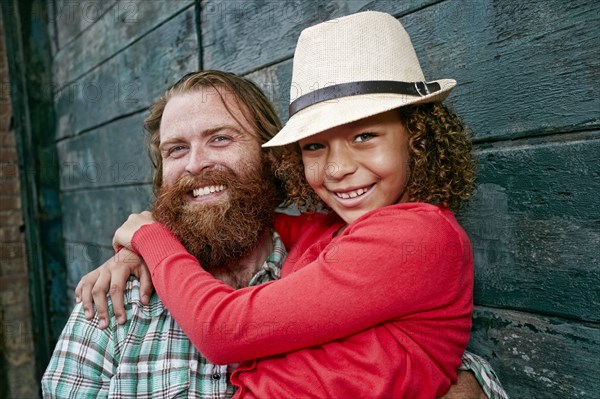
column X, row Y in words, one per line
column 528, row 75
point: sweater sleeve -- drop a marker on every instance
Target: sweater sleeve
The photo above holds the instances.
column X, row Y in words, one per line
column 385, row 267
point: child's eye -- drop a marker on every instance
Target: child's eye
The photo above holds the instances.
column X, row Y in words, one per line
column 311, row 147
column 364, row 137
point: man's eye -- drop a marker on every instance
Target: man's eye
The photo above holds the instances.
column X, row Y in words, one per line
column 173, row 151
column 311, row 147
column 364, row 137
column 220, row 139
column 176, row 148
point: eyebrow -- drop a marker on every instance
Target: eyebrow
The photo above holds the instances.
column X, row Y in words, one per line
column 204, row 133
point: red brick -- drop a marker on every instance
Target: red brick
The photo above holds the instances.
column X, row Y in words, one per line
column 5, row 121
column 5, row 104
column 9, row 187
column 10, row 202
column 13, row 267
column 10, row 234
column 8, row 155
column 9, row 171
column 11, row 218
column 7, row 138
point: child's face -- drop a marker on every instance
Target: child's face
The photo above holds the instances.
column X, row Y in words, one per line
column 359, row 167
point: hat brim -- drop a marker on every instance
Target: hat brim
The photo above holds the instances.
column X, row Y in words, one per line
column 329, row 114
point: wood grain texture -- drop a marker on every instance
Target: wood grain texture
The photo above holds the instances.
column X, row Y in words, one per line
column 534, row 227
column 70, row 18
column 111, row 32
column 523, row 68
column 112, row 155
column 82, row 258
column 92, row 216
column 537, row 356
column 132, row 79
column 526, row 71
column 241, row 36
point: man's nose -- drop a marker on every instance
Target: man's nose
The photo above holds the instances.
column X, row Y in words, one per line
column 198, row 162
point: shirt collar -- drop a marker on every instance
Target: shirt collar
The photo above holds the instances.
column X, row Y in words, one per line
column 271, row 268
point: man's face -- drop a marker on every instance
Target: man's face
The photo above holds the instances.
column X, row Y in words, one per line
column 218, row 193
column 198, row 135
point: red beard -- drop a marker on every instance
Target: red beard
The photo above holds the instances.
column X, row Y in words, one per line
column 221, row 233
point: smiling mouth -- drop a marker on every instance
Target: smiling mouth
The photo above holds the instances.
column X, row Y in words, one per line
column 202, row 191
column 353, row 193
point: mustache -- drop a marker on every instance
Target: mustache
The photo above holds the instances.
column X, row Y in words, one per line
column 176, row 194
column 224, row 177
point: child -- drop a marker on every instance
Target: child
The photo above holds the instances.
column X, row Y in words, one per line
column 375, row 298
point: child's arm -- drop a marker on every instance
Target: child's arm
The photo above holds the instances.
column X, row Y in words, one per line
column 381, row 268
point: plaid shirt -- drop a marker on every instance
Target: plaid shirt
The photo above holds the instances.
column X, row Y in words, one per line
column 150, row 356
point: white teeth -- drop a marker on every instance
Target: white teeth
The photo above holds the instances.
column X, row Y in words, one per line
column 199, row 192
column 352, row 194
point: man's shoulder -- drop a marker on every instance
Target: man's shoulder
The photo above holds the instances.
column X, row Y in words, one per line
column 133, row 300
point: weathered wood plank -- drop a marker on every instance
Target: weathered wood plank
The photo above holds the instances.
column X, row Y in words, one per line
column 537, row 356
column 534, row 228
column 92, row 216
column 523, row 67
column 275, row 82
column 240, row 36
column 83, row 258
column 131, row 80
column 113, row 31
column 114, row 154
column 70, row 18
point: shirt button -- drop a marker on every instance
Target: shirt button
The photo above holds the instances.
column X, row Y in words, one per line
column 216, row 377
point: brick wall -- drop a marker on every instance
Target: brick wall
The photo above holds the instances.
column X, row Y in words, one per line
column 17, row 360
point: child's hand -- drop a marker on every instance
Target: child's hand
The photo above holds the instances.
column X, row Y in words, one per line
column 124, row 234
column 111, row 278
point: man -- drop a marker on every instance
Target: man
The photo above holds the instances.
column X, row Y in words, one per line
column 205, row 134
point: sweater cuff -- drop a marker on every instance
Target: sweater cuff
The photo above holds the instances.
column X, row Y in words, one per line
column 154, row 242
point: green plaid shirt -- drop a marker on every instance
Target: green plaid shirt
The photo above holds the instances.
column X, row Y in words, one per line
column 150, row 356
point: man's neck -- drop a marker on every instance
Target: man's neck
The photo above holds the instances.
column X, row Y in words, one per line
column 239, row 274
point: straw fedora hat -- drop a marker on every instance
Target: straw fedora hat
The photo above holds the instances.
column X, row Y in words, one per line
column 350, row 68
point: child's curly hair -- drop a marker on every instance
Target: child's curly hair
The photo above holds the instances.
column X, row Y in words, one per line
column 442, row 170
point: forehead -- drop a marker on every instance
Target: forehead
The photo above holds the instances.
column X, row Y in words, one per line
column 200, row 110
column 384, row 119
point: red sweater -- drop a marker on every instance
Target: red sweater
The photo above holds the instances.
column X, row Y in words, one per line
column 381, row 310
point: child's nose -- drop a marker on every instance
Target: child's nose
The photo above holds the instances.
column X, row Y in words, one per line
column 340, row 163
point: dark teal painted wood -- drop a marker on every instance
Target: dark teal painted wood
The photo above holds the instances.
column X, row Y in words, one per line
column 240, row 36
column 112, row 155
column 537, row 356
column 534, row 228
column 523, row 68
column 82, row 258
column 73, row 17
column 275, row 82
column 92, row 216
column 119, row 27
column 33, row 121
column 130, row 80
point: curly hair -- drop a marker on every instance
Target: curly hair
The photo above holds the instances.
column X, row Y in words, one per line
column 442, row 170
column 255, row 106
